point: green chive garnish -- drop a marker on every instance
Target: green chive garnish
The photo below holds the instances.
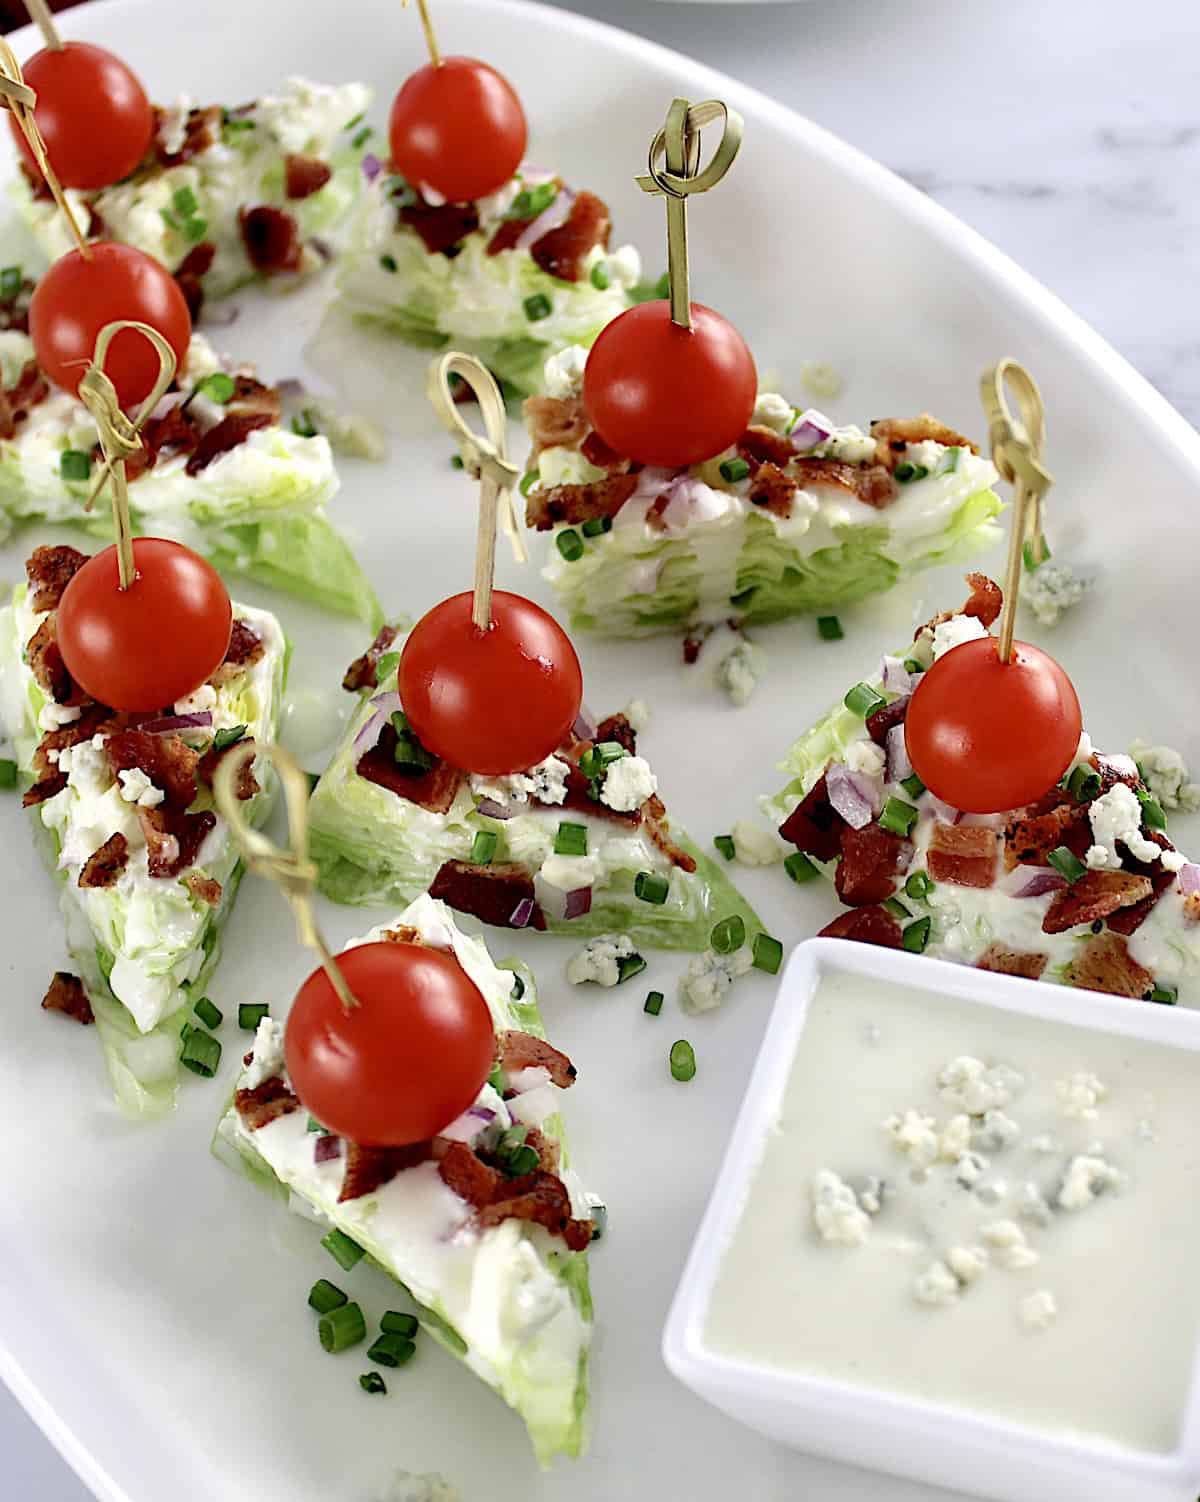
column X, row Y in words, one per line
column 913, row 786
column 356, row 121
column 571, row 839
column 897, row 817
column 653, row 1003
column 733, row 470
column 456, row 461
column 372, row 1382
column 1032, row 562
column 907, row 474
column 484, row 847
column 518, row 988
column 8, row 773
column 530, row 202
column 651, row 886
column 324, row 1296
column 919, row 885
column 523, row 1161
column 226, row 738
column 386, row 666
column 628, row 966
column 360, row 138
column 184, row 200
column 341, row 1328
column 391, row 1350
column 528, row 481
column 1152, row 811
column 1067, row 863
column 569, row 544
column 344, row 1251
column 911, row 665
column 768, row 953
column 724, row 843
column 949, row 462
column 210, row 1015
column 399, row 1324
column 201, row 1053
column 218, row 387
column 305, row 425
column 1166, row 996
column 1084, row 784
column 10, row 282
column 683, row 1061
column 897, row 909
column 75, row 464
column 598, row 757
column 799, row 867
column 595, row 526
column 496, row 1080
column 388, row 263
column 250, row 1014
column 829, row 628
column 728, row 935
column 599, row 278
column 862, row 700
column 537, row 307
column 916, row 935
column 313, row 1125
column 196, row 229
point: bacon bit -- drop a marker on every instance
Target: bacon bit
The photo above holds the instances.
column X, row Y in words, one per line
column 893, row 435
column 247, row 783
column 1006, row 961
column 435, row 790
column 173, row 431
column 245, row 648
column 471, row 1179
column 523, row 1051
column 693, row 644
column 370, row 1168
column 203, row 130
column 203, row 888
column 1105, row 964
column 173, row 840
column 266, row 1102
column 443, row 228
column 579, row 794
column 46, row 663
column 548, row 1151
column 871, row 483
column 879, row 723
column 578, row 503
column 617, row 728
column 561, row 252
column 871, row 859
column 657, row 826
column 985, row 603
column 1093, row 896
column 867, row 925
column 17, row 402
column 93, row 718
column 507, row 235
column 1113, row 771
column 253, row 397
column 556, row 422
column 66, row 995
column 542, row 1199
column 814, row 826
column 233, row 429
column 189, row 276
column 1128, row 920
column 46, row 787
column 1028, row 841
column 765, row 446
column 403, row 933
column 964, row 854
column 49, row 571
column 271, row 238
column 489, row 893
column 104, row 866
column 773, row 490
column 597, row 452
column 167, row 761
column 305, row 175
column 361, row 672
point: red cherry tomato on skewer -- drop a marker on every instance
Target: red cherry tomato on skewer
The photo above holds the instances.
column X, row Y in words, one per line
column 988, row 736
column 144, row 647
column 457, row 128
column 494, row 702
column 667, row 395
column 405, row 1062
column 92, row 112
column 79, row 295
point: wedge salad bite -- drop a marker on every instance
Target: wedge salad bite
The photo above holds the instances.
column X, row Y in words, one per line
column 479, row 1218
column 121, row 808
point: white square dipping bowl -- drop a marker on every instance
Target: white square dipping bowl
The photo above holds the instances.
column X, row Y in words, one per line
column 884, row 1431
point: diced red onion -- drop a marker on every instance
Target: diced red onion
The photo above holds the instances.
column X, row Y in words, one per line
column 579, row 903
column 201, row 720
column 896, row 677
column 371, row 166
column 556, row 903
column 807, row 434
column 326, row 1148
column 557, row 212
column 1189, row 879
column 522, row 914
column 898, row 764
column 483, row 1113
column 1042, row 882
column 494, row 810
column 383, row 706
column 853, row 794
column 584, row 728
column 464, row 1128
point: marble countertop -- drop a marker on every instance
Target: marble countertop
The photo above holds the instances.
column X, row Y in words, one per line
column 1068, row 135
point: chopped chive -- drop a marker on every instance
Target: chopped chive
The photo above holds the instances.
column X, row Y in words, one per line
column 372, row 1382
column 232, row 123
column 201, row 1053
column 324, row 1296
column 530, row 202
column 799, row 867
column 388, row 262
column 313, row 1125
column 399, row 1324
column 230, row 737
column 518, row 988
column 537, row 307
column 484, row 847
column 919, row 885
column 1032, row 561
column 196, row 229
column 360, row 138
column 218, row 386
column 184, row 200
column 210, row 1015
column 829, row 628
column 728, row 935
column 1152, row 810
column 913, row 785
column 8, row 773
column 569, row 544
column 653, row 1003
column 897, row 817
column 386, row 666
column 11, row 279
column 305, row 424
column 250, row 1014
column 911, row 665
column 897, row 909
column 456, row 461
column 341, row 1328
column 596, row 526
column 523, row 1161
column 734, row 470
column 768, row 953
column 683, row 1061
column 651, row 886
column 599, row 277
column 571, row 839
column 512, row 1139
column 343, row 1249
column 724, row 843
column 496, row 1079
column 628, row 966
column 916, row 935
column 862, row 700
column 599, row 756
column 391, row 1350
column 75, row 464
column 1166, row 996
column 1067, row 863
column 1084, row 784
column 907, row 474
column 528, row 481
column 950, row 460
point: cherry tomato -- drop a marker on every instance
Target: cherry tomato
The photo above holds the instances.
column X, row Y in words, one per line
column 458, row 128
column 987, row 736
column 79, row 295
column 665, row 395
column 93, row 114
column 405, row 1062
column 143, row 647
column 496, row 701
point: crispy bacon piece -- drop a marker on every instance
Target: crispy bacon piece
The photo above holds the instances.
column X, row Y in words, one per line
column 870, row 483
column 265, row 1103
column 203, row 131
column 169, row 763
column 541, row 1198
column 556, row 422
column 578, row 503
column 305, row 175
column 361, row 672
column 985, row 602
column 1105, row 964
column 892, row 436
column 964, row 854
column 403, row 933
column 1093, row 896
column 548, row 1151
column 173, row 840
column 471, row 1179
column 1114, row 769
column 657, row 826
column 1007, row 961
column 1127, row 920
column 561, row 252
column 49, row 571
column 524, row 1051
column 233, row 429
column 94, row 717
column 773, row 490
column 245, row 648
column 203, row 888
column 18, row 401
column 597, row 452
column 442, row 228
column 47, row 786
column 506, row 235
column 879, row 723
column 247, row 783
column 693, row 643
column 489, row 893
column 104, row 866
column 46, row 662
column 814, row 825
column 764, row 445
column 189, row 275
column 271, row 237
column 370, row 1168
column 435, row 790
column 871, row 860
column 1029, row 839
column 66, row 995
column 616, row 727
column 867, row 925
column 173, row 432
